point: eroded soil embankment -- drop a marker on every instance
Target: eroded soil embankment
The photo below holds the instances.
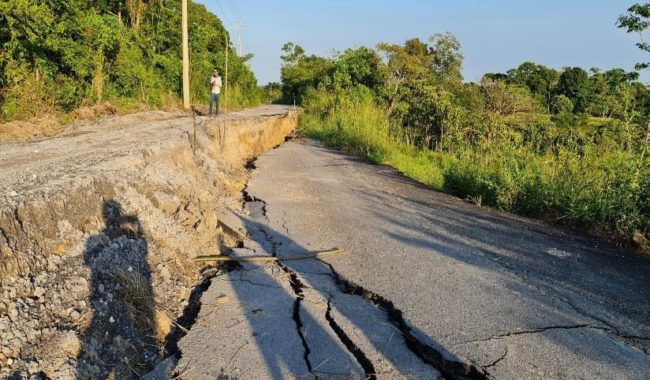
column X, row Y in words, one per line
column 98, row 228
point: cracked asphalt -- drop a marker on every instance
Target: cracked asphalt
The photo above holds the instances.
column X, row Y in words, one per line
column 429, row 286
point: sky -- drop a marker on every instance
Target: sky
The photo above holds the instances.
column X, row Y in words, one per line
column 495, row 35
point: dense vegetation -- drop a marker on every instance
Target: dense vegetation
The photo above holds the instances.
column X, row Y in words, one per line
column 58, row 55
column 568, row 145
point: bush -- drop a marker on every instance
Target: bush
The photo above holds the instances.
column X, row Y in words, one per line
column 562, row 104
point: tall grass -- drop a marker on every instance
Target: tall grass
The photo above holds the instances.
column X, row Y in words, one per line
column 598, row 188
column 236, row 98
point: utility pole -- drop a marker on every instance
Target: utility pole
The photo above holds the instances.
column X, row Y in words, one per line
column 186, row 58
column 239, row 26
column 226, row 94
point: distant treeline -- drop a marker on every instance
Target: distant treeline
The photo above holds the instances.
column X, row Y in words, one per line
column 57, row 55
column 530, row 87
column 568, row 145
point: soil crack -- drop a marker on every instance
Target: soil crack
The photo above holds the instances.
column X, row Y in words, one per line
column 252, row 283
column 297, row 287
column 449, row 368
column 191, row 312
column 499, row 359
column 537, row 331
column 358, row 354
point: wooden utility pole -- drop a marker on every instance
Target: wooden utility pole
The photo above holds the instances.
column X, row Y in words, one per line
column 225, row 100
column 186, row 58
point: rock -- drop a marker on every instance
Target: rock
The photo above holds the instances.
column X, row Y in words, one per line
column 33, row 367
column 69, row 343
column 53, row 263
column 4, row 324
column 74, row 316
column 185, row 294
column 111, row 319
column 163, row 325
column 30, row 335
column 163, row 370
column 13, row 312
column 39, row 291
column 164, row 272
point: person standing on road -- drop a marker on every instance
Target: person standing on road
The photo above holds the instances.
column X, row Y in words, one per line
column 216, row 84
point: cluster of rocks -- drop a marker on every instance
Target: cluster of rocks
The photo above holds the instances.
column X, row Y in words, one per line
column 99, row 297
column 93, row 277
column 105, row 307
column 41, row 308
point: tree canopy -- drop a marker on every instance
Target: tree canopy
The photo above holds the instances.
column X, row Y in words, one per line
column 67, row 53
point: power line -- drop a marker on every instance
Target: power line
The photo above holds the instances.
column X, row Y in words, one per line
column 238, row 26
column 224, row 16
column 240, row 45
column 235, row 6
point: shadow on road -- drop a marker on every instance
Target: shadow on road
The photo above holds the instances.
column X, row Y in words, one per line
column 352, row 323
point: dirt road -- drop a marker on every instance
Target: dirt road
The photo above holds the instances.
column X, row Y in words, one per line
column 428, row 286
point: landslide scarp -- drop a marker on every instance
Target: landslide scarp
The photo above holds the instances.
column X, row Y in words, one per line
column 98, row 229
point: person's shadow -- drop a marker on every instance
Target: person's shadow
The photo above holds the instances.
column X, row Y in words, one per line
column 119, row 340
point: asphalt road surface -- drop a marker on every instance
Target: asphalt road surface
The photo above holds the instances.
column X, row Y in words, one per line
column 427, row 286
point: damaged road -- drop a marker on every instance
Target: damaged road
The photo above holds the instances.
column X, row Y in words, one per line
column 430, row 286
column 270, row 321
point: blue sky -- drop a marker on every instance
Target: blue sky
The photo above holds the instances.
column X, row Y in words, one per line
column 495, row 34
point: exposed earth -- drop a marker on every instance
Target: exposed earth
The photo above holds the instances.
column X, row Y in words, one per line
column 98, row 230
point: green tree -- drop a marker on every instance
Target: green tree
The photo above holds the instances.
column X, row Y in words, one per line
column 412, row 61
column 361, row 66
column 408, row 66
column 506, row 99
column 292, row 53
column 539, row 79
column 58, row 55
column 637, row 20
column 495, row 76
column 605, row 86
column 447, row 57
column 301, row 72
column 574, row 83
column 561, row 104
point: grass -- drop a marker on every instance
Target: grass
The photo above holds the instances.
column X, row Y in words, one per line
column 600, row 189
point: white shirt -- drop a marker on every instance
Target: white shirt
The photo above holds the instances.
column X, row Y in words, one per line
column 216, row 84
